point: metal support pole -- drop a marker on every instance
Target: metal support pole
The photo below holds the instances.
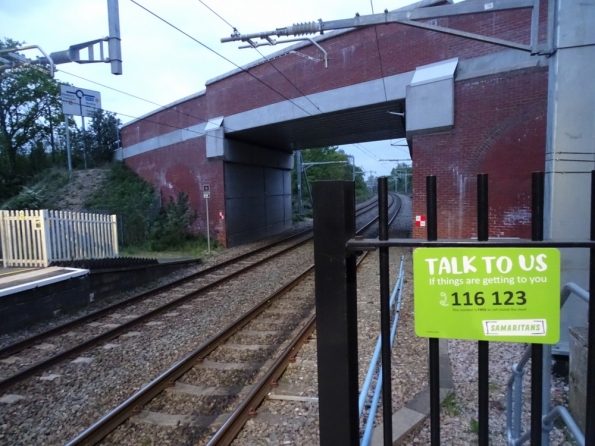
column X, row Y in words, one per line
column 387, row 406
column 590, row 412
column 84, row 142
column 208, row 227
column 434, row 346
column 336, row 312
column 483, row 347
column 115, row 50
column 298, row 168
column 67, row 131
column 538, row 181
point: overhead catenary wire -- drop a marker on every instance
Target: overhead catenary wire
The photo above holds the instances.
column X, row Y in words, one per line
column 266, row 58
column 142, row 99
column 147, row 119
column 220, row 55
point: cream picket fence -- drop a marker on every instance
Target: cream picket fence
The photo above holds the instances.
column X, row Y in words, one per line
column 37, row 238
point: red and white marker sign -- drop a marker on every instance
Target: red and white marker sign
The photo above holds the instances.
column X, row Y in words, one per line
column 420, row 220
column 221, row 216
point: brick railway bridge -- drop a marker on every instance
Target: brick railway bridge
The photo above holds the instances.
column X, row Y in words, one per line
column 470, row 107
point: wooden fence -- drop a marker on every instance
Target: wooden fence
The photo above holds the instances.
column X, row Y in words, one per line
column 37, row 238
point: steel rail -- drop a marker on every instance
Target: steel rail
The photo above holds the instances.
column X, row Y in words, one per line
column 247, row 408
column 114, row 418
column 32, row 340
column 117, row 416
column 28, row 342
column 110, row 334
column 371, row 222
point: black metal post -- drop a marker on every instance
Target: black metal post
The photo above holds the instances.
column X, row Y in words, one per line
column 434, row 346
column 590, row 412
column 336, row 312
column 536, row 349
column 483, row 347
column 387, row 403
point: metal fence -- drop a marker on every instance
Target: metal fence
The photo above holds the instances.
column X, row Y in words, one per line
column 335, row 250
column 37, row 238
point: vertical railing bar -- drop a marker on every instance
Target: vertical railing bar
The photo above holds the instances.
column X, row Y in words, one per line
column 80, row 237
column 57, row 233
column 336, row 312
column 483, row 347
column 91, row 236
column 536, row 349
column 27, row 237
column 104, row 239
column 10, row 240
column 114, row 232
column 3, row 236
column 14, row 232
column 69, row 229
column 434, row 346
column 385, row 312
column 32, row 241
column 95, row 240
column 99, row 236
column 86, row 239
column 45, row 235
column 19, row 232
column 590, row 410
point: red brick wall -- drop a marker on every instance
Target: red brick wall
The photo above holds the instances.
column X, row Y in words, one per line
column 500, row 126
column 184, row 167
column 353, row 58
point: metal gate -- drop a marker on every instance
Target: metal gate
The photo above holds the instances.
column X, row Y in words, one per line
column 335, row 250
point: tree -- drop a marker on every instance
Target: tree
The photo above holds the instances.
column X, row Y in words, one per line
column 402, row 176
column 340, row 169
column 29, row 110
column 104, row 135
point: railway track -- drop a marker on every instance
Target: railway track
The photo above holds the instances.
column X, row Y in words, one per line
column 101, row 326
column 231, row 369
column 53, row 346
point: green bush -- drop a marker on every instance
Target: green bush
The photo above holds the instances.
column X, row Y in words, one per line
column 40, row 194
column 171, row 229
column 29, row 198
column 130, row 197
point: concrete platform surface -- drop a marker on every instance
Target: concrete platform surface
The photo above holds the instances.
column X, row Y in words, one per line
column 14, row 280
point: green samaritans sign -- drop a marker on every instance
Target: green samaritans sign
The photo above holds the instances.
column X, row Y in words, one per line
column 497, row 294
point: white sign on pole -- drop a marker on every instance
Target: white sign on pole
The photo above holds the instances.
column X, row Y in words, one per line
column 79, row 102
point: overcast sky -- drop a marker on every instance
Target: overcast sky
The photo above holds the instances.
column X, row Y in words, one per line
column 161, row 64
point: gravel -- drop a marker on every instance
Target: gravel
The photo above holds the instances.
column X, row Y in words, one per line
column 296, row 422
column 72, row 395
column 54, row 411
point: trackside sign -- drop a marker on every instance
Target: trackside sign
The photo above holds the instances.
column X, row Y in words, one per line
column 497, row 294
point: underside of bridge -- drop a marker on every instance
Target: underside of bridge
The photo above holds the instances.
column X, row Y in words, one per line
column 355, row 125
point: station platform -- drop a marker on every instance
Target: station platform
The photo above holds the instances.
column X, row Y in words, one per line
column 16, row 280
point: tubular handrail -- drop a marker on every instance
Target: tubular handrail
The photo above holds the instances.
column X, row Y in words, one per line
column 514, row 390
column 396, row 295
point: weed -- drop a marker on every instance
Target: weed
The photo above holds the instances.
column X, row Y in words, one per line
column 450, row 406
column 474, row 426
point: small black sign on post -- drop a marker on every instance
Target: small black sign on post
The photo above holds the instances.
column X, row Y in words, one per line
column 336, row 312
